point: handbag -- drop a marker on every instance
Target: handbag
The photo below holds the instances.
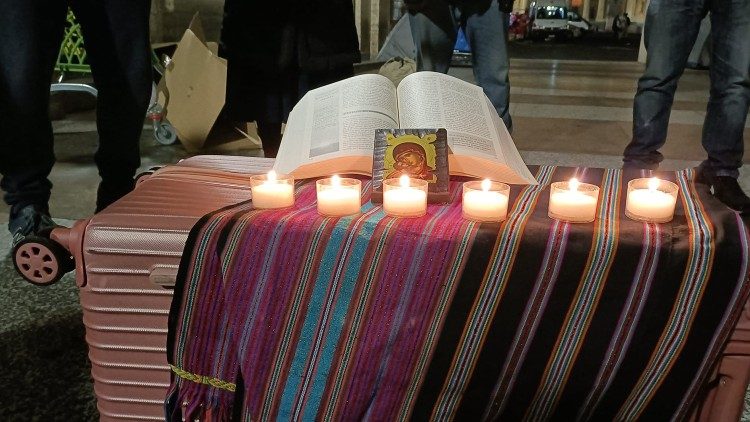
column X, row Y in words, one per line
column 397, row 68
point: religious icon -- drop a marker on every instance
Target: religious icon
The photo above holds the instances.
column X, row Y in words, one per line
column 417, row 153
column 404, row 156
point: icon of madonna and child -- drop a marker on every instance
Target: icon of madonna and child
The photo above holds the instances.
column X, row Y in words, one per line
column 417, row 153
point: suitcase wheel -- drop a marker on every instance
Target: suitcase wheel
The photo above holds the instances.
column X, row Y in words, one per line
column 164, row 133
column 41, row 261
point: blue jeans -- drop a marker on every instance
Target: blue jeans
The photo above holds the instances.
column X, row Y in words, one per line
column 671, row 29
column 435, row 29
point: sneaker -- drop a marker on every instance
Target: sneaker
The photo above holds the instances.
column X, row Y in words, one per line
column 727, row 190
column 28, row 221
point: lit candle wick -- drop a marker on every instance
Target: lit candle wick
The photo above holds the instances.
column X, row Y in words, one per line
column 335, row 181
column 271, row 177
column 404, row 181
column 573, row 184
column 486, row 184
column 653, row 184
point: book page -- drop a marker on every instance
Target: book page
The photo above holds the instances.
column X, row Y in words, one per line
column 435, row 100
column 507, row 148
column 338, row 120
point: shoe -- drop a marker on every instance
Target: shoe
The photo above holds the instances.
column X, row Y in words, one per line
column 31, row 220
column 727, row 190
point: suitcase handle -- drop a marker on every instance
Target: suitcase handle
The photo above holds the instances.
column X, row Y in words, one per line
column 163, row 275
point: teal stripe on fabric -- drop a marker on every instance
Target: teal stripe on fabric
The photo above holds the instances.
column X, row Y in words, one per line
column 350, row 279
column 320, row 312
column 284, row 348
column 368, row 279
column 409, row 286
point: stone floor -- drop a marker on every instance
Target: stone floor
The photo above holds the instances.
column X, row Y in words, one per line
column 564, row 112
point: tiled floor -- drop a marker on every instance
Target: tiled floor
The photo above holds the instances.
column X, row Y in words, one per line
column 586, row 107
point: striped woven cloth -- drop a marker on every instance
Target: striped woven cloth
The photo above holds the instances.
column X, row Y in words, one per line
column 288, row 315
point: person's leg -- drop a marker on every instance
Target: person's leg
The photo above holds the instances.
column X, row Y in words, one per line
column 486, row 29
column 728, row 103
column 116, row 36
column 31, row 33
column 730, row 87
column 434, row 31
column 670, row 31
column 270, row 137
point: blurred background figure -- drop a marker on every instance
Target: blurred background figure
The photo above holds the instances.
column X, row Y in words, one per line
column 621, row 25
column 116, row 34
column 434, row 27
column 672, row 27
column 277, row 51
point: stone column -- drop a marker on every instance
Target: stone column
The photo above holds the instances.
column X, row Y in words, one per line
column 373, row 19
column 375, row 12
column 586, row 9
column 630, row 9
column 642, row 50
column 600, row 10
column 358, row 18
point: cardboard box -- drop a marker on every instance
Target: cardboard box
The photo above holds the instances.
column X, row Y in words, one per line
column 192, row 93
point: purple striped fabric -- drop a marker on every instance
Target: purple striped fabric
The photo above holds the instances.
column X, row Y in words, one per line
column 284, row 314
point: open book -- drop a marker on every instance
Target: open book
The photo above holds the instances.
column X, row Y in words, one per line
column 332, row 128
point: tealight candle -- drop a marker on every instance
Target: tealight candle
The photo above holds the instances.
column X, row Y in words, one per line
column 272, row 190
column 485, row 200
column 338, row 197
column 573, row 201
column 405, row 197
column 651, row 199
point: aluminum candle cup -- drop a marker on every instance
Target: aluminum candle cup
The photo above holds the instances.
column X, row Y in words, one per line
column 485, row 200
column 405, row 197
column 651, row 200
column 573, row 201
column 272, row 190
column 338, row 196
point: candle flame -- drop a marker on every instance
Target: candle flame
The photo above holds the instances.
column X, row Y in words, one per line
column 653, row 183
column 404, row 181
column 335, row 181
column 486, row 184
column 573, row 184
column 271, row 176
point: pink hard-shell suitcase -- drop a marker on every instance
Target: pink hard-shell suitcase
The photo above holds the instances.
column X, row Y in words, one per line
column 126, row 257
column 123, row 258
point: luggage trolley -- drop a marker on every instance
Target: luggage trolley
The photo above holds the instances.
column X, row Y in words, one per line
column 72, row 59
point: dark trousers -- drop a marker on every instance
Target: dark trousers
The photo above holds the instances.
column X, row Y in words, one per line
column 116, row 39
column 671, row 29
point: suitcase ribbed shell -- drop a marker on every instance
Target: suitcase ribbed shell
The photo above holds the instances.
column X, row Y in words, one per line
column 126, row 247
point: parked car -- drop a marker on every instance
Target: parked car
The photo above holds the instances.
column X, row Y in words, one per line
column 553, row 18
column 579, row 26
